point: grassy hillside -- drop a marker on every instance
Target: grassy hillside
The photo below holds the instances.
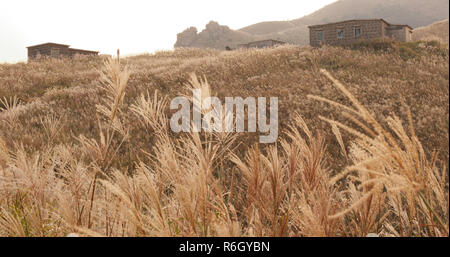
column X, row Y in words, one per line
column 268, row 27
column 437, row 30
column 90, row 153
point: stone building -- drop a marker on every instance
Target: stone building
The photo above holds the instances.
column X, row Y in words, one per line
column 261, row 44
column 55, row 50
column 351, row 31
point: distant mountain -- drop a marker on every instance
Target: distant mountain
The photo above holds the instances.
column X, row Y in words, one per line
column 415, row 13
column 437, row 30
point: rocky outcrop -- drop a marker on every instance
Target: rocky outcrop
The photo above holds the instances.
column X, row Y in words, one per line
column 187, row 37
column 213, row 36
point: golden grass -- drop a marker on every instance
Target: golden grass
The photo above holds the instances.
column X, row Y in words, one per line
column 100, row 181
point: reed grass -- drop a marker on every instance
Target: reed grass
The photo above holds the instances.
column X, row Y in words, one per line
column 212, row 184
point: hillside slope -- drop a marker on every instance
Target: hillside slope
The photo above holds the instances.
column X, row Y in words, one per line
column 438, row 30
column 415, row 73
column 416, row 13
column 93, row 152
column 268, row 27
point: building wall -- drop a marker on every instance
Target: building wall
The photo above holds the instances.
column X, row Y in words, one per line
column 369, row 29
column 81, row 52
column 48, row 50
column 400, row 33
column 56, row 51
column 396, row 33
column 409, row 33
column 261, row 44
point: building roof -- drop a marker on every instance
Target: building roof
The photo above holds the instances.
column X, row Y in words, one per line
column 54, row 44
column 382, row 20
column 81, row 50
column 259, row 41
column 394, row 26
column 278, row 41
column 65, row 46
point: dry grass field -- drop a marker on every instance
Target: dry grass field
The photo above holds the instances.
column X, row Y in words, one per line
column 85, row 144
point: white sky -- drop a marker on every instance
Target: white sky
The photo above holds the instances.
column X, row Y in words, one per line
column 134, row 26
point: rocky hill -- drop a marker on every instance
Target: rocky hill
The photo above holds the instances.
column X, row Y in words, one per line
column 213, row 36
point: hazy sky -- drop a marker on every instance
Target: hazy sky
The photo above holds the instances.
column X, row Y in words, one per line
column 133, row 26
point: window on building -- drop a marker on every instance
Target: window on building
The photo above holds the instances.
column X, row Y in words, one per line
column 320, row 35
column 54, row 52
column 357, row 31
column 340, row 33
